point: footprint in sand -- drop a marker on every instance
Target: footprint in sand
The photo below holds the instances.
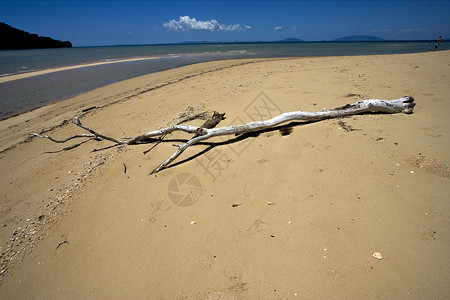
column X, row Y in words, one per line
column 206, row 260
column 429, row 235
column 262, row 161
column 257, row 226
column 211, row 238
column 155, row 212
column 235, row 277
column 438, row 167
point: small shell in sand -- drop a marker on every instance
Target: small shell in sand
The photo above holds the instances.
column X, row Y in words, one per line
column 377, row 255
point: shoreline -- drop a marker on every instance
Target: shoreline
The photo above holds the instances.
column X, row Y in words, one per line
column 221, row 63
column 51, row 86
column 81, row 101
column 337, row 195
column 7, row 78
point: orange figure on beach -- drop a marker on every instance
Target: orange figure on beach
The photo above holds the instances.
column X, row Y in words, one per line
column 438, row 42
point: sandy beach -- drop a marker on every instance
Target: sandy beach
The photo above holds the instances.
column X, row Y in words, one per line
column 272, row 216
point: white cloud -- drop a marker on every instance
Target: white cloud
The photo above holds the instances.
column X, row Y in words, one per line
column 278, row 28
column 414, row 30
column 294, row 28
column 380, row 30
column 187, row 24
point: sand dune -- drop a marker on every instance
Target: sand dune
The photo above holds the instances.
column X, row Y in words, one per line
column 271, row 216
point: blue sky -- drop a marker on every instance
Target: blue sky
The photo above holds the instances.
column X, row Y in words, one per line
column 94, row 23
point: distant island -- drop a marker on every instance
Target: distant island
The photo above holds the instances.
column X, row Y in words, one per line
column 359, row 38
column 291, row 40
column 16, row 39
column 288, row 40
column 352, row 38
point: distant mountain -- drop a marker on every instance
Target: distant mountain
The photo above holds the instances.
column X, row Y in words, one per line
column 359, row 38
column 15, row 39
column 290, row 40
column 198, row 42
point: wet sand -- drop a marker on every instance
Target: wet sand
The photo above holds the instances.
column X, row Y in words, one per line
column 52, row 70
column 270, row 216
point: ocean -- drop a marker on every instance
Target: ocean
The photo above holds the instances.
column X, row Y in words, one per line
column 29, row 93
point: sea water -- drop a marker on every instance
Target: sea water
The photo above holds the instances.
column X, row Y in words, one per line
column 24, row 94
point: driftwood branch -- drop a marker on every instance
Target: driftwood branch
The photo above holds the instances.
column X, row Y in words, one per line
column 401, row 105
column 94, row 134
column 64, row 140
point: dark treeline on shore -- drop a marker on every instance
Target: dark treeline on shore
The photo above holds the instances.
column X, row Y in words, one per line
column 15, row 39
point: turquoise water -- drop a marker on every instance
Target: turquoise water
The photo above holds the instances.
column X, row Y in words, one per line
column 24, row 94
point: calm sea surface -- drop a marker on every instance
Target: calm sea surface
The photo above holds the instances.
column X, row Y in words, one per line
column 24, row 94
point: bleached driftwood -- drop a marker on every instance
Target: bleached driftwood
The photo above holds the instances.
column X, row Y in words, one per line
column 401, row 105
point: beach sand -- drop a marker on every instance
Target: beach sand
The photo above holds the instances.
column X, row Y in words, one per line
column 272, row 216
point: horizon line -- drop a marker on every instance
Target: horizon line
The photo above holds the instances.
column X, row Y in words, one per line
column 299, row 41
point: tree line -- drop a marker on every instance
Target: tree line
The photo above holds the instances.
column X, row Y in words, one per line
column 15, row 39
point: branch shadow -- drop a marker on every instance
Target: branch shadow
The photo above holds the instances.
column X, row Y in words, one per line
column 285, row 129
column 67, row 148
